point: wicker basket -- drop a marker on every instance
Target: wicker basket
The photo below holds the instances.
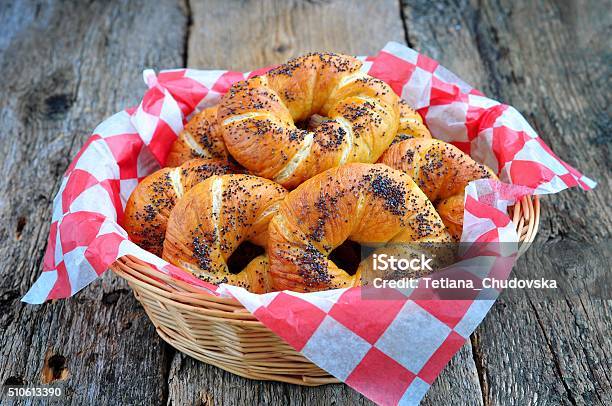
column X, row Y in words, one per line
column 221, row 332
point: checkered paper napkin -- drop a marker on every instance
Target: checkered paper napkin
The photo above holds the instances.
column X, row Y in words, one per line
column 389, row 350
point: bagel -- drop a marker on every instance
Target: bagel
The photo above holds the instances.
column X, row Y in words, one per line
column 410, row 124
column 148, row 208
column 365, row 203
column 201, row 138
column 211, row 221
column 442, row 171
column 257, row 118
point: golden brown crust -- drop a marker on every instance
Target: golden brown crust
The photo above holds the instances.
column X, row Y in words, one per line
column 211, row 220
column 255, row 276
column 410, row 125
column 442, row 171
column 258, row 116
column 365, row 203
column 150, row 204
column 201, row 138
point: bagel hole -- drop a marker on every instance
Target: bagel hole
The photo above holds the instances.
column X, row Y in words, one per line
column 303, row 125
column 311, row 123
column 240, row 258
column 347, row 256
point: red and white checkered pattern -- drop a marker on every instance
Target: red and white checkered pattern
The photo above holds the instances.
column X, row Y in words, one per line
column 391, row 344
column 391, row 350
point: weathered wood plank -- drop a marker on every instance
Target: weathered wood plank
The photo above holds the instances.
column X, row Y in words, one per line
column 66, row 67
column 101, row 343
column 244, row 35
column 549, row 61
column 458, row 384
column 269, row 32
column 192, row 382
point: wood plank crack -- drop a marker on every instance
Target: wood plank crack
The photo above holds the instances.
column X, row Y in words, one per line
column 555, row 357
column 168, row 354
column 188, row 30
column 481, row 369
column 405, row 24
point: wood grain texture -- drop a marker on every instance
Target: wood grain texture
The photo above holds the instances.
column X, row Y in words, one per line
column 245, row 35
column 269, row 32
column 192, row 382
column 551, row 61
column 66, row 66
column 69, row 65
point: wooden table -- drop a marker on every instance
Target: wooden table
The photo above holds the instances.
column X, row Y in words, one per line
column 66, row 66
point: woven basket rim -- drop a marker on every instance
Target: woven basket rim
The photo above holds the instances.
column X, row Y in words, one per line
column 221, row 332
column 525, row 216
